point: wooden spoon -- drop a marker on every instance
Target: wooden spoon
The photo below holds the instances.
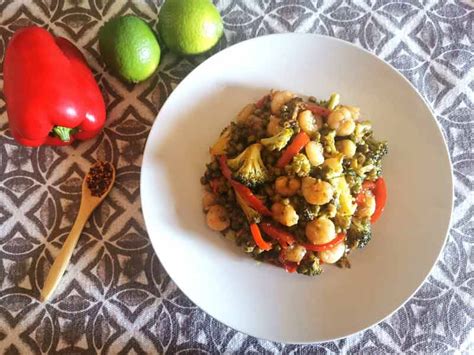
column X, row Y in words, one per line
column 91, row 198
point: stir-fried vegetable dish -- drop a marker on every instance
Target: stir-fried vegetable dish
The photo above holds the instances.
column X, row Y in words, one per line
column 296, row 183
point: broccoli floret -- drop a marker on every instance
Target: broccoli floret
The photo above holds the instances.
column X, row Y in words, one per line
column 373, row 152
column 308, row 212
column 310, row 266
column 343, row 196
column 361, row 166
column 354, row 181
column 248, row 166
column 220, row 147
column 361, row 129
column 375, row 149
column 342, row 221
column 289, row 113
column 328, row 141
column 332, row 167
column 251, row 215
column 278, row 141
column 359, row 233
column 299, row 166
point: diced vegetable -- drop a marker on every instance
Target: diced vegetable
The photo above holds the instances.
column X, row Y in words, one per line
column 257, row 237
column 322, row 247
column 318, row 110
column 294, row 148
column 380, row 192
column 283, row 237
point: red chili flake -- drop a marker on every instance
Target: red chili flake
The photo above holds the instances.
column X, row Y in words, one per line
column 99, row 178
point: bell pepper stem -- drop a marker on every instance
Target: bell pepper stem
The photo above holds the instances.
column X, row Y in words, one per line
column 64, row 133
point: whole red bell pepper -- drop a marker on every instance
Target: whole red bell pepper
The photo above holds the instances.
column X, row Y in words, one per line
column 51, row 95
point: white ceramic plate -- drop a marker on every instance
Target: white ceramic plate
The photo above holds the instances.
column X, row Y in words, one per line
column 262, row 300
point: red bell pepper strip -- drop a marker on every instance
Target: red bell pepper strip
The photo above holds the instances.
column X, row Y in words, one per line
column 368, row 185
column 379, row 189
column 283, row 237
column 318, row 110
column 322, row 247
column 257, row 237
column 300, row 140
column 51, row 95
column 380, row 193
column 260, row 103
column 243, row 190
column 290, row 266
column 360, row 198
column 225, row 170
column 252, row 200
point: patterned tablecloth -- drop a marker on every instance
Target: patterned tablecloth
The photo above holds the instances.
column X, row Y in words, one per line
column 116, row 297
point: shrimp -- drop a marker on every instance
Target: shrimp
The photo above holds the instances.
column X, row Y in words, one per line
column 346, row 147
column 316, row 192
column 209, row 199
column 284, row 214
column 320, row 230
column 309, row 123
column 217, row 218
column 355, row 112
column 367, row 207
column 332, row 255
column 273, row 126
column 341, row 120
column 314, row 152
column 287, row 186
column 279, row 98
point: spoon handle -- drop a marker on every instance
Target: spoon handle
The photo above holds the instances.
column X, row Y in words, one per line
column 62, row 260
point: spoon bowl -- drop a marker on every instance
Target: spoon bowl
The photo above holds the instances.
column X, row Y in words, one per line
column 90, row 199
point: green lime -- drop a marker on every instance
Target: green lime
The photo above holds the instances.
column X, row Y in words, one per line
column 129, row 47
column 189, row 26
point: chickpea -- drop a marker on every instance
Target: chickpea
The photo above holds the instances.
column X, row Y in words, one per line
column 367, row 207
column 314, row 152
column 294, row 253
column 245, row 113
column 217, row 218
column 209, row 199
column 287, row 186
column 346, row 128
column 346, row 147
column 335, row 164
column 279, row 98
column 284, row 214
column 309, row 123
column 316, row 192
column 332, row 255
column 273, row 126
column 320, row 230
column 341, row 120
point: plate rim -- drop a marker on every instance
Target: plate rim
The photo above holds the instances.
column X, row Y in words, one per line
column 383, row 62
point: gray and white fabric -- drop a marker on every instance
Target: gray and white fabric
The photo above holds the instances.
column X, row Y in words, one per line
column 116, row 297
